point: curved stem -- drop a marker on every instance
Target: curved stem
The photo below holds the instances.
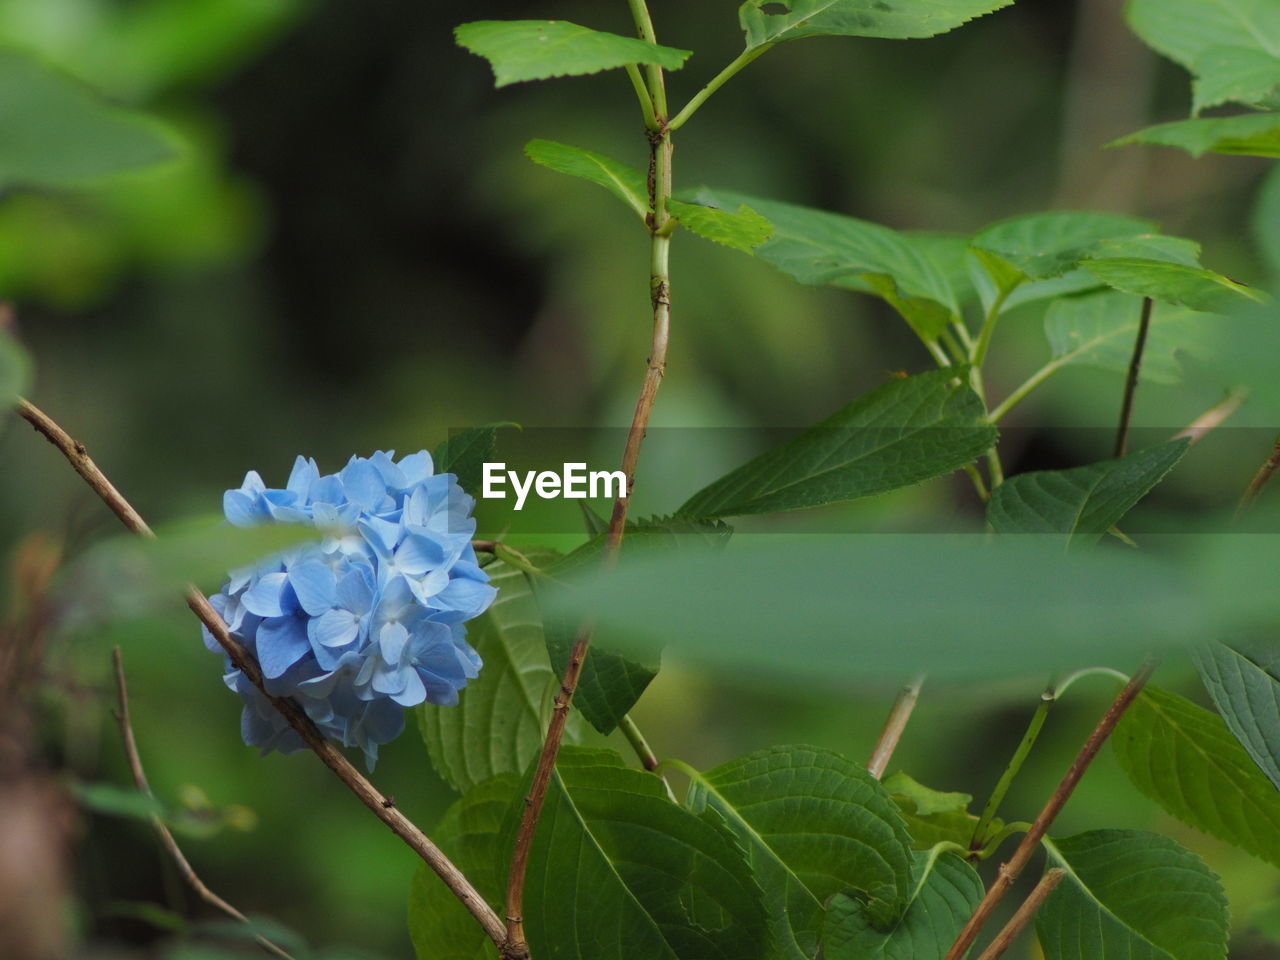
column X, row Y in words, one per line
column 983, row 344
column 383, row 807
column 660, row 226
column 642, row 94
column 1020, row 393
column 639, row 744
column 1019, row 757
column 720, row 79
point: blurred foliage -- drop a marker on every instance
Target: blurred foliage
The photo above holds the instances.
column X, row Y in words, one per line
column 352, row 253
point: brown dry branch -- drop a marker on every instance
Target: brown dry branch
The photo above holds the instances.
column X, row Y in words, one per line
column 166, row 837
column 899, row 714
column 1024, row 913
column 1010, row 870
column 381, row 806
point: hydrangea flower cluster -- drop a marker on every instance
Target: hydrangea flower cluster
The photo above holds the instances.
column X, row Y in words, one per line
column 366, row 621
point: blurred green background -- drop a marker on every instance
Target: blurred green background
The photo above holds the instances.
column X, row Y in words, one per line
column 352, row 254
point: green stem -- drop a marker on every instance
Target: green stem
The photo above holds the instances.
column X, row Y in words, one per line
column 1020, row 394
column 1015, row 764
column 518, row 560
column 1061, row 687
column 642, row 94
column 979, row 355
column 720, row 79
column 995, row 470
column 957, row 353
column 638, row 743
column 657, row 87
column 978, row 483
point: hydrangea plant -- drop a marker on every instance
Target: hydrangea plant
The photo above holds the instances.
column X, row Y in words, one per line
column 365, row 621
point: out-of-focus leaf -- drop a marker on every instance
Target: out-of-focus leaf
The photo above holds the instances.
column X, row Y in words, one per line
column 814, row 824
column 625, row 183
column 742, row 230
column 900, row 20
column 54, row 132
column 1082, row 503
column 117, row 801
column 538, row 49
column 500, row 719
column 1250, row 135
column 945, row 892
column 902, row 433
column 1167, row 282
column 15, row 370
column 819, row 248
column 1243, row 678
column 1117, row 900
column 1266, row 219
column 1234, row 75
column 1185, row 759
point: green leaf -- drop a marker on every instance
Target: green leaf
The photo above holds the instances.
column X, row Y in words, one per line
column 1250, row 135
column 945, row 892
column 820, row 248
column 1243, row 678
column 464, row 453
column 1185, row 759
column 814, row 824
column 625, row 183
column 15, row 370
column 901, row 20
column 1266, row 220
column 501, row 717
column 1167, row 282
column 1233, row 75
column 1099, row 330
column 114, row 801
column 934, row 817
column 902, row 433
column 521, row 50
column 1129, row 894
column 469, row 833
column 54, row 132
column 744, row 230
column 1045, row 245
column 1183, row 30
column 618, row 871
column 1084, row 502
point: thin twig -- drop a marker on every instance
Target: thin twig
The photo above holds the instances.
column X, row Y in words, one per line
column 1009, row 871
column 1214, row 417
column 660, row 227
column 1024, row 913
column 383, row 807
column 1265, row 473
column 899, row 714
column 166, row 838
column 1131, row 381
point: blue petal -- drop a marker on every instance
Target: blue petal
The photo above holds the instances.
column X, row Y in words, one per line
column 391, row 642
column 313, row 582
column 304, row 474
column 417, row 554
column 334, row 628
column 328, row 490
column 414, row 693
column 392, row 476
column 282, row 642
column 355, row 590
column 362, row 484
column 271, row 596
column 470, row 597
column 242, row 510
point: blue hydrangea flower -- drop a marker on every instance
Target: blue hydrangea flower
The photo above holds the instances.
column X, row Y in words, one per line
column 366, row 621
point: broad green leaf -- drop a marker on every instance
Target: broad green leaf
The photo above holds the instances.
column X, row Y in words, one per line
column 521, row 50
column 1167, row 282
column 742, row 230
column 1185, row 759
column 499, row 721
column 1082, row 503
column 814, row 825
column 899, row 20
column 469, row 833
column 618, row 871
column 1045, row 245
column 1184, row 30
column 949, row 252
column 877, row 607
column 1250, row 135
column 945, row 892
column 1100, row 329
column 115, row 801
column 611, row 683
column 933, row 817
column 820, row 248
column 464, row 454
column 902, row 433
column 625, row 183
column 15, row 370
column 54, row 132
column 1131, row 894
column 1233, row 75
column 1243, row 678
